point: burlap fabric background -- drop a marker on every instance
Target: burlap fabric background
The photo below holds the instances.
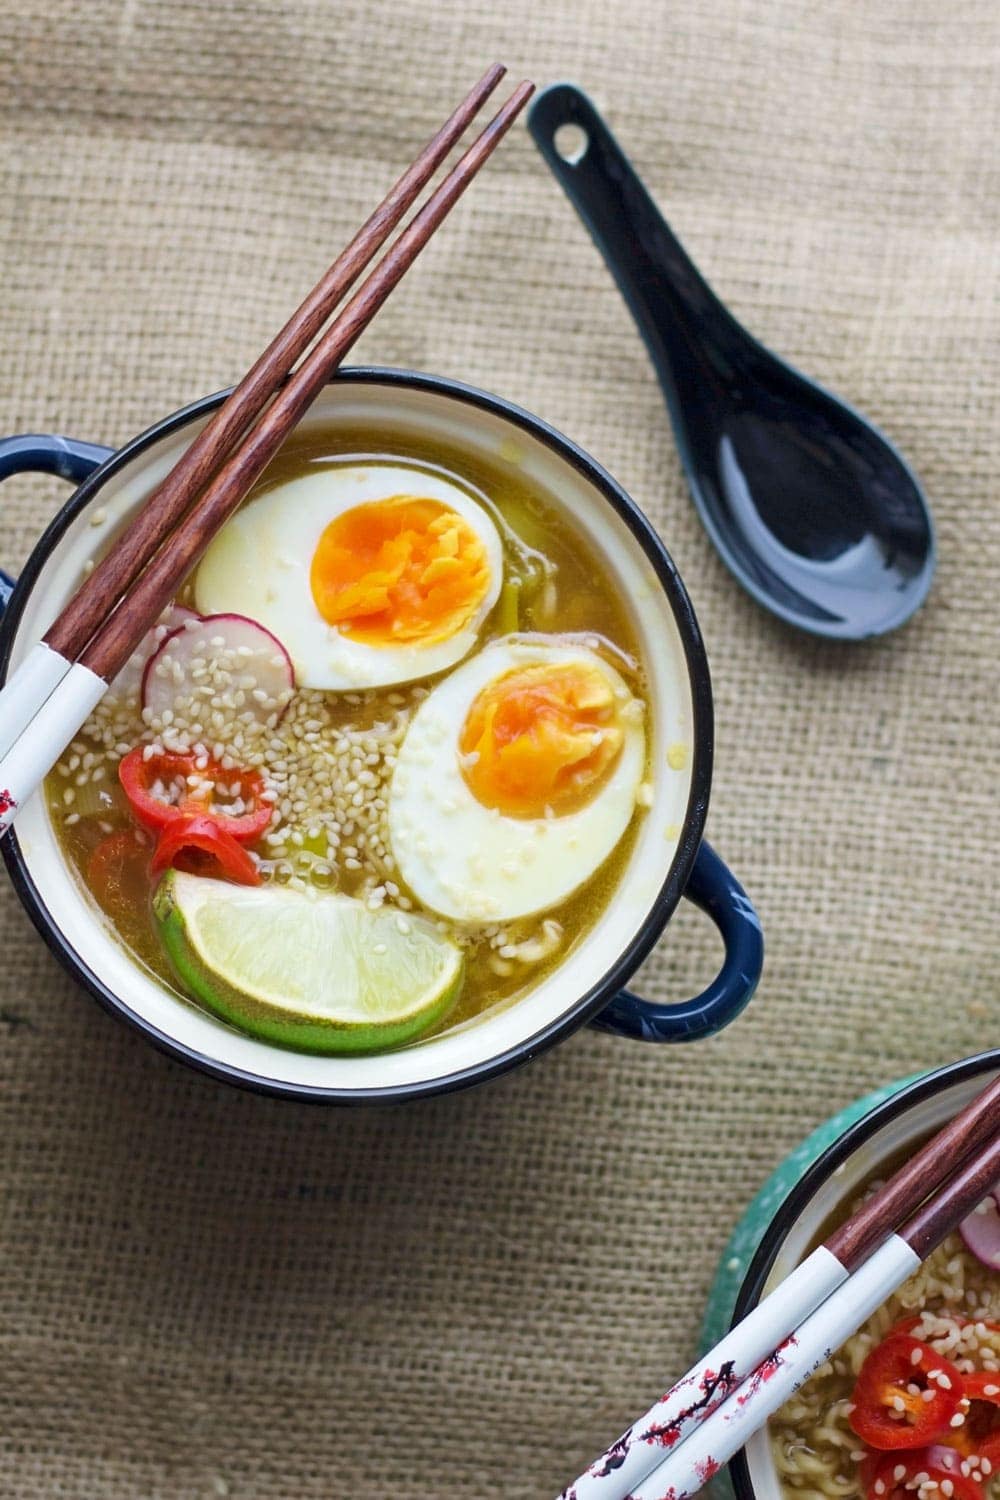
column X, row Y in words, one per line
column 206, row 1293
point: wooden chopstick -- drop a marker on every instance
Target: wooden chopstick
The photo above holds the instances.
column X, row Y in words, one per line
column 732, row 1362
column 60, row 716
column 48, row 661
column 90, row 605
column 721, row 1434
column 857, row 1237
column 119, row 636
column 945, row 1209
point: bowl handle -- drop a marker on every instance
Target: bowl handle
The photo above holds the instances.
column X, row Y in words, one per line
column 714, row 888
column 44, row 453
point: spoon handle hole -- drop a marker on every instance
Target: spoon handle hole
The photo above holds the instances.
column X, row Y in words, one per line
column 571, row 142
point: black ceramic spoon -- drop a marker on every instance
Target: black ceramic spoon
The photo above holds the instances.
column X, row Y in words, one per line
column 814, row 511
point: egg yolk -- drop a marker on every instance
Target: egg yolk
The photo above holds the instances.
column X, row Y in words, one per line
column 397, row 570
column 541, row 737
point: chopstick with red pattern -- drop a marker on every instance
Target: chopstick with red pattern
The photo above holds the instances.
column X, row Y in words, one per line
column 748, row 1358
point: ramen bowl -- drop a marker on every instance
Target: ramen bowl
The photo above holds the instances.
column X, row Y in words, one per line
column 668, row 858
column 815, row 1188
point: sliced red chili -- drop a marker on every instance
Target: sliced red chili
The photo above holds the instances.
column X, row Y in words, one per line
column 892, row 1408
column 868, row 1470
column 197, row 844
column 980, row 1432
column 895, row 1476
column 140, row 773
column 117, row 865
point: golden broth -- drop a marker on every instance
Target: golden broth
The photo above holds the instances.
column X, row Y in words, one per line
column 565, row 588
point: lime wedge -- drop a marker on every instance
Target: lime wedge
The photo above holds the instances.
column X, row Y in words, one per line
column 321, row 973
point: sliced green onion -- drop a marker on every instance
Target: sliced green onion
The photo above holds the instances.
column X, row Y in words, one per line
column 98, row 799
column 508, row 608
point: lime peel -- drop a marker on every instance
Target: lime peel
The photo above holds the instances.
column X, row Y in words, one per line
column 320, row 973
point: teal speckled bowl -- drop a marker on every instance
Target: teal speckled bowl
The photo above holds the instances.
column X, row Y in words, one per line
column 789, row 1209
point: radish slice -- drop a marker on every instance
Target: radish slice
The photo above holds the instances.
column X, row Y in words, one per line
column 981, row 1232
column 128, row 683
column 226, row 662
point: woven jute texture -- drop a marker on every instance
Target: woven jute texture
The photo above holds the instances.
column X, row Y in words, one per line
column 209, row 1293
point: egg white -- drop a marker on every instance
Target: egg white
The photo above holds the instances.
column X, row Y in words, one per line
column 259, row 565
column 471, row 862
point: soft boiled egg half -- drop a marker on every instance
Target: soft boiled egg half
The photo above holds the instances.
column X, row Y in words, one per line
column 368, row 574
column 517, row 777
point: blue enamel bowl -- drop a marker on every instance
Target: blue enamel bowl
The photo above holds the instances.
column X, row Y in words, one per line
column 670, row 859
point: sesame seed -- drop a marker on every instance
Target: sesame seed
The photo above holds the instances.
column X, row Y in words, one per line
column 326, row 766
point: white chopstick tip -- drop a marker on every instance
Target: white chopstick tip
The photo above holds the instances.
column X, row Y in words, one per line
column 26, row 689
column 28, row 761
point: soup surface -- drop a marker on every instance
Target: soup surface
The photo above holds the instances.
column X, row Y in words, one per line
column 909, row 1407
column 381, row 764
